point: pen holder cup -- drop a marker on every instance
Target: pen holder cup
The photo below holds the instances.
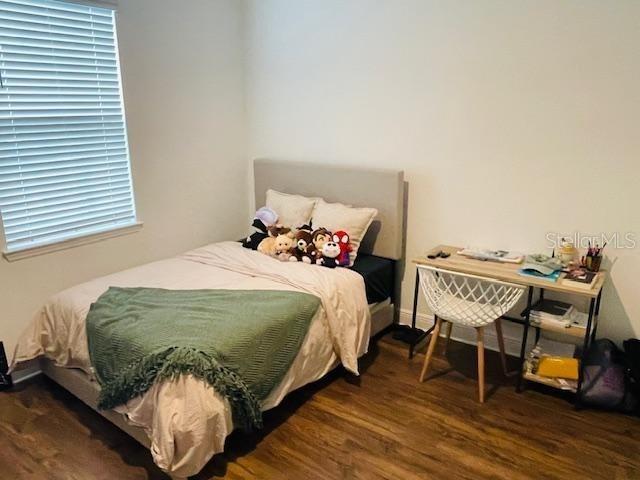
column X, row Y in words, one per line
column 593, row 263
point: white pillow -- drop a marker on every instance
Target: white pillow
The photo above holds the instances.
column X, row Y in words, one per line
column 336, row 216
column 293, row 210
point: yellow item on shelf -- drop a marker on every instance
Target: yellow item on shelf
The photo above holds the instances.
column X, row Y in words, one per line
column 558, row 367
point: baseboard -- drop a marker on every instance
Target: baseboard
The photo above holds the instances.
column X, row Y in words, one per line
column 512, row 333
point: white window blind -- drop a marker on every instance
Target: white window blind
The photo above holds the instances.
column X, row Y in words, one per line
column 64, row 161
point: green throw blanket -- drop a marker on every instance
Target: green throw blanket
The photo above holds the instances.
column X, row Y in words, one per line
column 241, row 342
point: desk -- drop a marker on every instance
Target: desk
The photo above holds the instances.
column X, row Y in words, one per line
column 508, row 272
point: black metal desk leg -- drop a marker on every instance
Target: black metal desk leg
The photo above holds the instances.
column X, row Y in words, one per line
column 585, row 346
column 540, row 299
column 413, row 316
column 596, row 319
column 525, row 332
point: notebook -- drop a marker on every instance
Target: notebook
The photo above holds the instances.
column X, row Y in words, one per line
column 558, row 367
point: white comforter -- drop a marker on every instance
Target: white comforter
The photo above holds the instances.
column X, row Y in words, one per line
column 186, row 420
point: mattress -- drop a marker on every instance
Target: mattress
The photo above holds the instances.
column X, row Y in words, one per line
column 379, row 277
column 186, row 420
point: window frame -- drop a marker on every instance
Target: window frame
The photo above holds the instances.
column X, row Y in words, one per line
column 89, row 237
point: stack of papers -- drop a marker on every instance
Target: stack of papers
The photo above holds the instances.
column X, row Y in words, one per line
column 578, row 319
column 502, row 256
column 552, row 312
column 542, row 267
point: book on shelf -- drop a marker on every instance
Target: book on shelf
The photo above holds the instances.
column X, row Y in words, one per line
column 580, row 278
column 575, row 320
column 560, row 383
column 556, row 358
column 548, row 308
column 558, row 367
column 552, row 312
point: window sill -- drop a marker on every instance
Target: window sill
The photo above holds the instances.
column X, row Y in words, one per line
column 72, row 242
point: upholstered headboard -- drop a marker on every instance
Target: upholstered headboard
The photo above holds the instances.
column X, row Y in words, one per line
column 359, row 187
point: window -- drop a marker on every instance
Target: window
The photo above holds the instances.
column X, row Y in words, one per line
column 64, row 158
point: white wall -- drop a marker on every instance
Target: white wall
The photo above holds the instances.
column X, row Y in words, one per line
column 183, row 87
column 511, row 119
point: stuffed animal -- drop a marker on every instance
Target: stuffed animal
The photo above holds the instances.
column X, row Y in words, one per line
column 267, row 216
column 306, row 227
column 284, row 244
column 300, row 251
column 330, row 252
column 313, row 254
column 268, row 245
column 253, row 240
column 342, row 239
column 278, row 229
column 264, row 218
column 320, row 236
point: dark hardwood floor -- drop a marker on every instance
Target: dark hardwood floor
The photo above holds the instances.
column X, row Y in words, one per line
column 380, row 425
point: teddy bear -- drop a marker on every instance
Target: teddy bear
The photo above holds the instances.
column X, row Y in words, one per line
column 314, row 254
column 330, row 252
column 303, row 249
column 283, row 246
column 320, row 236
column 268, row 245
column 263, row 219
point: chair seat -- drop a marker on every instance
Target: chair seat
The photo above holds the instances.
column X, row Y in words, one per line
column 464, row 299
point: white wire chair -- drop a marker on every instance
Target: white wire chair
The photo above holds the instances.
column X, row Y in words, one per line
column 467, row 300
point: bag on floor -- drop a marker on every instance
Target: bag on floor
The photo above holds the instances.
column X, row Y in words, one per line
column 632, row 357
column 605, row 384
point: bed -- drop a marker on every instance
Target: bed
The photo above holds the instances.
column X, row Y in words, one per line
column 184, row 422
